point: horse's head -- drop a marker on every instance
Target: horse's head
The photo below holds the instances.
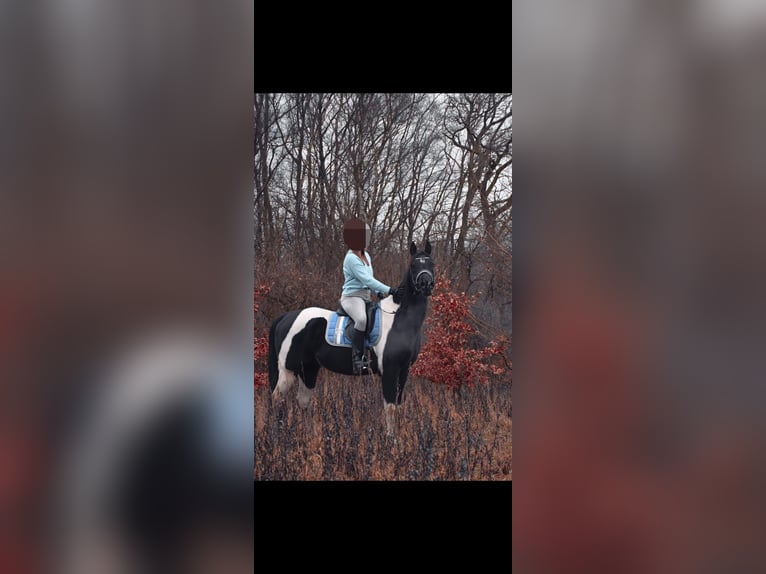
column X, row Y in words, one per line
column 421, row 269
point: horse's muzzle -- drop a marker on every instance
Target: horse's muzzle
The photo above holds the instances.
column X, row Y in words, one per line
column 425, row 284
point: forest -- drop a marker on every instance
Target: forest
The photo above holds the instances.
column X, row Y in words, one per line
column 414, row 167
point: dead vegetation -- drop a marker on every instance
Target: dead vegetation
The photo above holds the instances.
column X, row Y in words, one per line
column 442, row 434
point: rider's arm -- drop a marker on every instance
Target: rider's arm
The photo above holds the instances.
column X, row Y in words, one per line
column 364, row 275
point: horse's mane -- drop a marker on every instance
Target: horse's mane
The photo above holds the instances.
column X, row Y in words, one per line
column 405, row 276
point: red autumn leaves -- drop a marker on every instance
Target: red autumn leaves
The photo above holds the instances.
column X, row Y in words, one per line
column 260, row 344
column 448, row 357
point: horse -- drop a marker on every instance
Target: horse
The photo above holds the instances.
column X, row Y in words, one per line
column 298, row 346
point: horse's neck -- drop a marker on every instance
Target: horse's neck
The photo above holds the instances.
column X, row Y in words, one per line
column 416, row 310
column 414, row 305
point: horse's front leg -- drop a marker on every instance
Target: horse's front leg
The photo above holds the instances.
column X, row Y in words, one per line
column 390, row 381
column 393, row 390
column 401, row 381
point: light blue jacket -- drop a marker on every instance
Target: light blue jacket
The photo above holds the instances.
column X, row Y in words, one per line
column 359, row 276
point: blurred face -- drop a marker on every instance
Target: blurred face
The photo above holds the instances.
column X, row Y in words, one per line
column 356, row 234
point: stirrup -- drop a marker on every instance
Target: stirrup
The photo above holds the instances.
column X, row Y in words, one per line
column 361, row 366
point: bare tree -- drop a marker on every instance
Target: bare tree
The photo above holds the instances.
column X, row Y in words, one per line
column 269, row 154
column 412, row 165
column 479, row 127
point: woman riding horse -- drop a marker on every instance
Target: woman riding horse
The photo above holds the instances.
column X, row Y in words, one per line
column 358, row 285
column 299, row 345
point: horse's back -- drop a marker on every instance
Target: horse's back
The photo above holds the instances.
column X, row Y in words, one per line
column 298, row 318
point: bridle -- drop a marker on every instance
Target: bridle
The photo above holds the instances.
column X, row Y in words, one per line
column 415, row 287
column 414, row 281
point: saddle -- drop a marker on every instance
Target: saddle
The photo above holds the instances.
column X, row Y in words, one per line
column 340, row 327
column 370, row 308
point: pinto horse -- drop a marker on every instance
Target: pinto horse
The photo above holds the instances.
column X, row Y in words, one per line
column 299, row 347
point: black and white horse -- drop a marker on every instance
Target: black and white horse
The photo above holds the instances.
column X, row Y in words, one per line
column 298, row 346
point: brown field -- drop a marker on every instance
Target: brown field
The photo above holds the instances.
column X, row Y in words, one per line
column 442, row 434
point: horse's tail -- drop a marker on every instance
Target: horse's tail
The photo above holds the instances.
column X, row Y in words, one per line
column 273, row 366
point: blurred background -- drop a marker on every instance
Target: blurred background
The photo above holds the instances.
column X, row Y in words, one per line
column 125, row 286
column 639, row 272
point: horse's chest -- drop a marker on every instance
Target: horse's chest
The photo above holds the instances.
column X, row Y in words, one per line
column 400, row 340
column 400, row 348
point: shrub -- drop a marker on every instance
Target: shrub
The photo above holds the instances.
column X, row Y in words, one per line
column 447, row 358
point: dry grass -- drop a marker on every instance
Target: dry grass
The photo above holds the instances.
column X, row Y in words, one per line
column 441, row 434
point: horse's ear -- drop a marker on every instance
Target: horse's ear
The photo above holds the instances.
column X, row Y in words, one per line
column 428, row 247
column 413, row 248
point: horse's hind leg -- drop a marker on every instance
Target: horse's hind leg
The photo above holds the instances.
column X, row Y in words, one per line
column 309, row 367
column 293, row 364
column 307, row 383
column 305, row 393
column 285, row 382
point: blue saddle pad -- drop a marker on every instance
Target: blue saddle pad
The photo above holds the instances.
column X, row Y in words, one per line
column 336, row 327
